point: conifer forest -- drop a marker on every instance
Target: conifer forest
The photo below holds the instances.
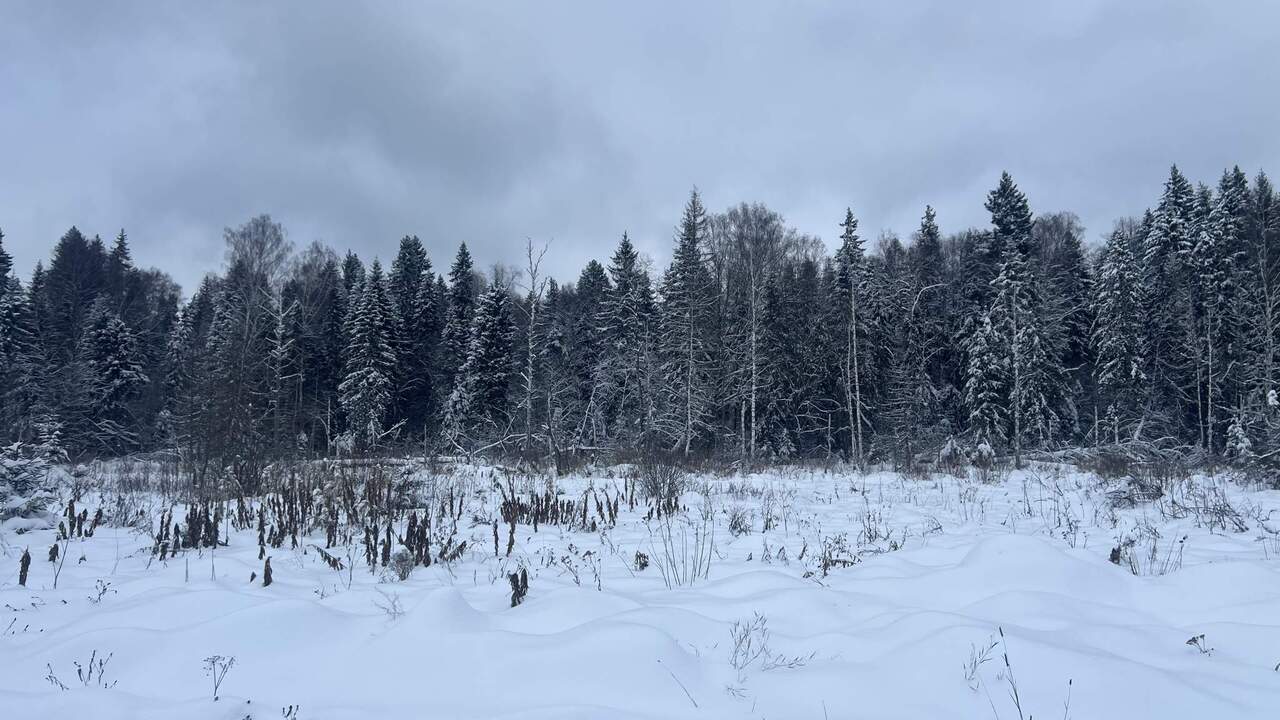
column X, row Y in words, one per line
column 651, row 361
column 753, row 343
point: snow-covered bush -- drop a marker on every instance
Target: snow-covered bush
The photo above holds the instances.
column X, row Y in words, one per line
column 740, row 521
column 25, row 487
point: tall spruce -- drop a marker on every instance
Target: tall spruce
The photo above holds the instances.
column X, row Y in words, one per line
column 478, row 409
column 1118, row 335
column 366, row 388
column 625, row 366
column 1034, row 376
column 412, row 285
column 457, row 325
column 687, row 304
column 850, row 268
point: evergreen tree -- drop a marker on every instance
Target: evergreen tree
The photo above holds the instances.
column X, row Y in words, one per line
column 6, row 260
column 413, row 290
column 1118, row 336
column 478, row 407
column 624, row 371
column 1167, row 302
column 116, row 374
column 1034, row 376
column 985, row 385
column 18, row 392
column 120, row 273
column 1065, row 289
column 687, row 303
column 587, row 354
column 850, row 268
column 932, row 311
column 456, row 334
column 365, row 391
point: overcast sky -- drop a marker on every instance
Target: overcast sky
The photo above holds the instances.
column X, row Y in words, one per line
column 571, row 122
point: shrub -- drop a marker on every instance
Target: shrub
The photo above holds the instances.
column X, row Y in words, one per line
column 402, row 564
column 740, row 521
column 660, row 480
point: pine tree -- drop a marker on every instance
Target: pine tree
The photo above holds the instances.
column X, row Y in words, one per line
column 687, row 303
column 365, row 391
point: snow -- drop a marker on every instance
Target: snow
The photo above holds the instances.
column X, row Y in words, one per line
column 887, row 637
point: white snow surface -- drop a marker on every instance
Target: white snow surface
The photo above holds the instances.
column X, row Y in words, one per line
column 943, row 565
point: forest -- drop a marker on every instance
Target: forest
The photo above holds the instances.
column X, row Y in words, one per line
column 753, row 343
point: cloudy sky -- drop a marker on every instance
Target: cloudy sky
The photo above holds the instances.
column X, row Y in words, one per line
column 573, row 121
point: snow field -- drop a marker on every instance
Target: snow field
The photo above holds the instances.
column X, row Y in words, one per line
column 921, row 575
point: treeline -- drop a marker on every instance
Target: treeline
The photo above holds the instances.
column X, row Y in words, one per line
column 753, row 342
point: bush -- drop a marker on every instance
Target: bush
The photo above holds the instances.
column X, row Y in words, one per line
column 660, row 479
column 402, row 564
column 24, row 482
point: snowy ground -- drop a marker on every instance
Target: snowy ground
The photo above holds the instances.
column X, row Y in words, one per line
column 910, row 629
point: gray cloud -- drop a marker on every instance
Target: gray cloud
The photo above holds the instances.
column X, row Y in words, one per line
column 572, row 122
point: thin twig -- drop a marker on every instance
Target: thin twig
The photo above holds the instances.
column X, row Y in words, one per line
column 682, row 687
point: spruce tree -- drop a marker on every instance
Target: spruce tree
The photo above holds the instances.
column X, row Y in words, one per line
column 116, row 374
column 687, row 303
column 456, row 334
column 412, row 288
column 1034, row 375
column 478, row 407
column 1118, row 334
column 850, row 268
column 587, row 353
column 986, row 380
column 625, row 367
column 6, row 260
column 120, row 273
column 1167, row 302
column 365, row 391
